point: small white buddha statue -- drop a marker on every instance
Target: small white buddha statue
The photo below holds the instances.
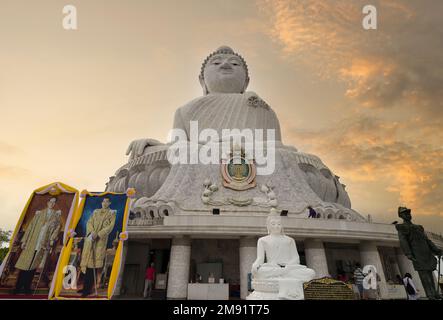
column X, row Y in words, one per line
column 278, row 264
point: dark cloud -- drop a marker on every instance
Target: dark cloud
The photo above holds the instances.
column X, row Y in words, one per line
column 400, row 63
column 395, row 73
column 366, row 149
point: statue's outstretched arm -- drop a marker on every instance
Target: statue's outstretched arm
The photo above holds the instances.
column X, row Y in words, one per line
column 435, row 250
column 137, row 147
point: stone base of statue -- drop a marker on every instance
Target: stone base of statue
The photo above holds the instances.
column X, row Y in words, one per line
column 272, row 284
column 281, row 289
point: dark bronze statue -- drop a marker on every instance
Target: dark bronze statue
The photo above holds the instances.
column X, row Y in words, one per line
column 420, row 250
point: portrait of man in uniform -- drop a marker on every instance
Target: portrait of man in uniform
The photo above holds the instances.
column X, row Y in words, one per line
column 94, row 246
column 36, row 244
column 98, row 228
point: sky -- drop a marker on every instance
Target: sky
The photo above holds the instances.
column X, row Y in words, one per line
column 369, row 103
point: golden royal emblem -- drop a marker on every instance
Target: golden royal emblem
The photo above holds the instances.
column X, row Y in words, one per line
column 238, row 172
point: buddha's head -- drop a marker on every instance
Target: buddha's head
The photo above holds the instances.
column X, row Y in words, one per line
column 224, row 71
column 405, row 214
column 273, row 223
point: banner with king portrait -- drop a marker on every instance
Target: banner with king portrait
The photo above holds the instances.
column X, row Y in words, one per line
column 29, row 269
column 90, row 261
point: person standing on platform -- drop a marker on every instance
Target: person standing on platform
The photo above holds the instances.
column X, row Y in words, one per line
column 312, row 213
column 149, row 281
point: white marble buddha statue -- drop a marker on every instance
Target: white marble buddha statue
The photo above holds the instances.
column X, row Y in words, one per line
column 297, row 180
column 225, row 104
column 278, row 264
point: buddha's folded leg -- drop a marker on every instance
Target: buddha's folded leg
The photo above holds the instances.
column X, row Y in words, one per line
column 290, row 289
column 300, row 272
column 270, row 272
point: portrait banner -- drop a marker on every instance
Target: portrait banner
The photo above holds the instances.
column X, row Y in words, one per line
column 91, row 259
column 29, row 269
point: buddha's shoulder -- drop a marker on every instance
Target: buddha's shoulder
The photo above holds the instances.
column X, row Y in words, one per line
column 264, row 239
column 254, row 100
column 269, row 238
column 226, row 100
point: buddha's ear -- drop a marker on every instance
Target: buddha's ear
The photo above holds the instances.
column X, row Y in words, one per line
column 203, row 84
column 246, row 85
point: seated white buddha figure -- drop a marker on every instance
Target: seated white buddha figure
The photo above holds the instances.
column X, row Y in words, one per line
column 278, row 260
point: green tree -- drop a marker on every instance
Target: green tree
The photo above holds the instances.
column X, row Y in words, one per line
column 5, row 236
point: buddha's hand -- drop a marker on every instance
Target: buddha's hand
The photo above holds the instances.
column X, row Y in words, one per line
column 255, row 267
column 137, row 147
column 412, row 258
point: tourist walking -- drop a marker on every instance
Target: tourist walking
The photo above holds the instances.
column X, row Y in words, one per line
column 358, row 278
column 372, row 292
column 411, row 290
column 149, row 281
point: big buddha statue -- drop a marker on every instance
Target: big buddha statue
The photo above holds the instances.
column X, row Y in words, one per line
column 225, row 103
column 297, row 180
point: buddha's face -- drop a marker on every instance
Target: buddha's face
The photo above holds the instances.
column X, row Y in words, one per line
column 51, row 203
column 106, row 203
column 275, row 226
column 225, row 73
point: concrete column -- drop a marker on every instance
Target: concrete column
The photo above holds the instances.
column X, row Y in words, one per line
column 406, row 266
column 370, row 256
column 119, row 282
column 316, row 257
column 248, row 254
column 179, row 264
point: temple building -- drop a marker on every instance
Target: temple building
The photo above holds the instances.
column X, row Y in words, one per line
column 199, row 223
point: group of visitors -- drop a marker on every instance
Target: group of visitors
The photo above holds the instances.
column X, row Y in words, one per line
column 371, row 293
